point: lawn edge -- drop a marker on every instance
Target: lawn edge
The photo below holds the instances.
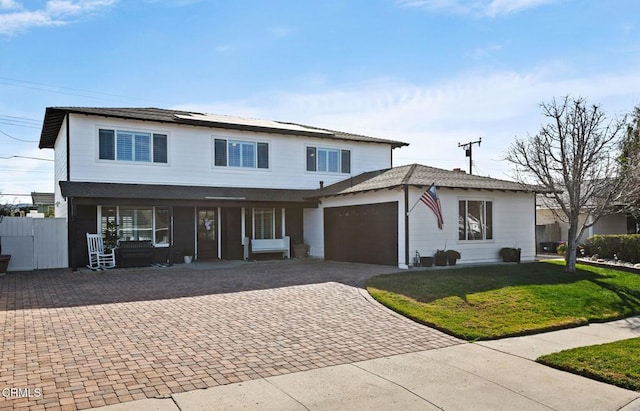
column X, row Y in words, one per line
column 580, row 323
column 582, row 372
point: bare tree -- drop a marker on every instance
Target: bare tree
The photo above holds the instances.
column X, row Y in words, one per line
column 630, row 167
column 574, row 159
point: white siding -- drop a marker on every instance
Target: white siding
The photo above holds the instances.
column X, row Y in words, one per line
column 313, row 226
column 190, row 157
column 60, row 172
column 513, row 225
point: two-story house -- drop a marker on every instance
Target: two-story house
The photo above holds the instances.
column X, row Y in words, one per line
column 210, row 183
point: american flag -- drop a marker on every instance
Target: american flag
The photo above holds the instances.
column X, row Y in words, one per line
column 430, row 199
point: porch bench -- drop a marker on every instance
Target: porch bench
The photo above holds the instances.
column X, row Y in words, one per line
column 134, row 253
column 272, row 245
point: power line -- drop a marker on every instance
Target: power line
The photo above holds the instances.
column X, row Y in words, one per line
column 19, row 121
column 58, row 89
column 18, row 139
column 30, row 158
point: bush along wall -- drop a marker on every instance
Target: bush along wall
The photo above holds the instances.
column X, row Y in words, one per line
column 626, row 247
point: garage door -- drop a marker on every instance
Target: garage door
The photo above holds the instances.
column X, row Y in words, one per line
column 362, row 234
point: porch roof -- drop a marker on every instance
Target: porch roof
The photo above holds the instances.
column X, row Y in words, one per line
column 176, row 193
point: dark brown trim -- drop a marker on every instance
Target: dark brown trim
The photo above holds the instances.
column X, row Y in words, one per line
column 68, row 148
column 191, row 203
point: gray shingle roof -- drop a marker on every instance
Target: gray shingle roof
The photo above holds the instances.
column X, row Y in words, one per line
column 419, row 176
column 54, row 117
column 42, row 198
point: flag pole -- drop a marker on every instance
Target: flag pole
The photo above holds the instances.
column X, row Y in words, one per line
column 416, row 203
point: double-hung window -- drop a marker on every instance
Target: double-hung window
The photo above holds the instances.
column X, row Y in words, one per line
column 244, row 154
column 475, row 220
column 132, row 146
column 328, row 160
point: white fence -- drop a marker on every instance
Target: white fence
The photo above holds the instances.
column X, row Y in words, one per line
column 34, row 243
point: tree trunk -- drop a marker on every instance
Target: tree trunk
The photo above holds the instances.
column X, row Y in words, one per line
column 570, row 257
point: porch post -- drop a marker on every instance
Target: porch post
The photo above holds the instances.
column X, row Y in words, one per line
column 243, row 225
column 219, row 234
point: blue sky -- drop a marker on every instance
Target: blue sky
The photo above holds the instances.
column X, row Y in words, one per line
column 429, row 72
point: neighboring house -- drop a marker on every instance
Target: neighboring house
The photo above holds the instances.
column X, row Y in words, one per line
column 212, row 183
column 44, row 203
column 550, row 227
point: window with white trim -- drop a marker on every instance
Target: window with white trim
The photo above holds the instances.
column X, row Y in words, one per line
column 264, row 221
column 475, row 220
column 243, row 154
column 328, row 160
column 134, row 146
column 137, row 223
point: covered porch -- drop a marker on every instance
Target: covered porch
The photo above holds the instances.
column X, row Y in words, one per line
column 207, row 223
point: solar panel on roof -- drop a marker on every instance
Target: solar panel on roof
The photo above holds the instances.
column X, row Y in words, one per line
column 220, row 119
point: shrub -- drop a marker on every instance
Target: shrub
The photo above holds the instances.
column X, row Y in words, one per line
column 561, row 249
column 626, row 246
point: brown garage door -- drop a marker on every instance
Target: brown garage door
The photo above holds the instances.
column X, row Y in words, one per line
column 362, row 234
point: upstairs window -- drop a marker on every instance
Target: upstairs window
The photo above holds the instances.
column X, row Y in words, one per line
column 243, row 154
column 132, row 146
column 328, row 160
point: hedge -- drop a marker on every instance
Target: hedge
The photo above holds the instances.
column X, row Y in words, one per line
column 626, row 247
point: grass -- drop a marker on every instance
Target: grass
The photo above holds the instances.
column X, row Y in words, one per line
column 614, row 363
column 498, row 301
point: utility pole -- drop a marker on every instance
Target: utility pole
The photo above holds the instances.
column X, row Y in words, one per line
column 469, row 152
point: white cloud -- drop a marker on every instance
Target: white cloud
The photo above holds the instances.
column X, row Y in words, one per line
column 498, row 7
column 451, row 6
column 483, row 52
column 490, row 8
column 15, row 18
column 224, row 48
column 435, row 118
column 280, row 31
column 9, row 5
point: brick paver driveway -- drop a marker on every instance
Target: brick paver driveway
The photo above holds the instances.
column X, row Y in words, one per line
column 84, row 339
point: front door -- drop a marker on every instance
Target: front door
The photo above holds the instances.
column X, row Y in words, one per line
column 207, row 234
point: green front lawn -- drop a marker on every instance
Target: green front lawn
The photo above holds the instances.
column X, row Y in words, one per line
column 505, row 300
column 615, row 363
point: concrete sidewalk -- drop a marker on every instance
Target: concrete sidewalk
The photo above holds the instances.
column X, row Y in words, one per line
column 483, row 376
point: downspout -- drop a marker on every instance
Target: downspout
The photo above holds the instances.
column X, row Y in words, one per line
column 406, row 225
column 70, row 212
